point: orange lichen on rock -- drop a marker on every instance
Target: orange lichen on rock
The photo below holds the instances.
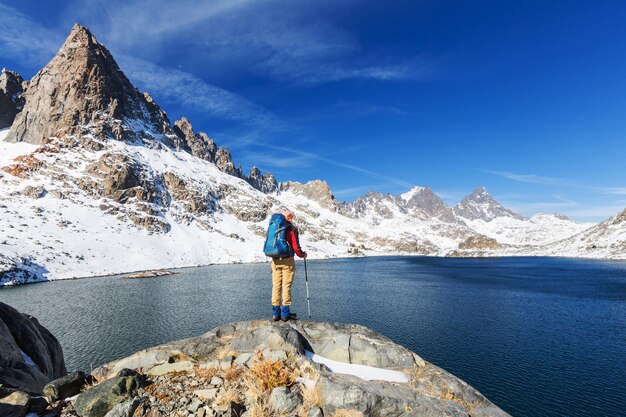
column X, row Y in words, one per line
column 24, row 166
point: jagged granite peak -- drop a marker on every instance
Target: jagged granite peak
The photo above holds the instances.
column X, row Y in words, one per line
column 198, row 144
column 265, row 183
column 480, row 205
column 316, row 190
column 425, row 199
column 224, row 161
column 382, row 205
column 12, row 87
column 82, row 91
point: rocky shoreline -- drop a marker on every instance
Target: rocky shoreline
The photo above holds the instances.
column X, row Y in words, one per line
column 252, row 369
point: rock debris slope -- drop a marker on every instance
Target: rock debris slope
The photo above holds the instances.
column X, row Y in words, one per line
column 96, row 180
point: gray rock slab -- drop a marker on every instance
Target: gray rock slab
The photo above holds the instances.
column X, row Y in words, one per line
column 242, row 359
column 65, row 387
column 99, row 400
column 125, row 409
column 13, row 403
column 206, row 394
column 315, row 411
column 283, row 400
column 168, row 368
column 374, row 398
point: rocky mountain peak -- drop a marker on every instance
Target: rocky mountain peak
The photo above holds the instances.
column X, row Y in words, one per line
column 82, row 91
column 12, row 87
column 425, row 199
column 315, row 190
column 382, row 205
column 480, row 205
column 265, row 183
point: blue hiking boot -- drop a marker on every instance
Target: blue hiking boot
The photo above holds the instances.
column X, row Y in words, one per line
column 285, row 314
column 275, row 313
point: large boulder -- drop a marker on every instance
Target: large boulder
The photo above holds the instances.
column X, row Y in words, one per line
column 30, row 356
column 102, row 398
column 375, row 398
column 66, row 386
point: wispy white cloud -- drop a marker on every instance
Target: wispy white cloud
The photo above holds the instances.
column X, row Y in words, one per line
column 276, row 160
column 25, row 41
column 528, row 178
column 178, row 86
column 373, row 174
column 613, row 190
column 283, row 39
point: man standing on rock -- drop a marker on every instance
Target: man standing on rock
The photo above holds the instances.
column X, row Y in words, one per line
column 281, row 245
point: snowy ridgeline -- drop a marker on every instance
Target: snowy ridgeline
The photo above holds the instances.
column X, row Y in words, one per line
column 56, row 228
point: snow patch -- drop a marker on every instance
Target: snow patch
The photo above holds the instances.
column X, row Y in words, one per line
column 368, row 373
column 10, row 151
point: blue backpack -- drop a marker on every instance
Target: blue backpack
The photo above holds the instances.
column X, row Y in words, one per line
column 276, row 245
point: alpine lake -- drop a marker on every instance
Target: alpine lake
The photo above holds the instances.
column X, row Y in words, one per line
column 537, row 336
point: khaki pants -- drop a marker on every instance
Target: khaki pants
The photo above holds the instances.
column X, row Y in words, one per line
column 283, row 271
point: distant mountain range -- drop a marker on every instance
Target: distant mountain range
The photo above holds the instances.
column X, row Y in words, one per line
column 96, row 180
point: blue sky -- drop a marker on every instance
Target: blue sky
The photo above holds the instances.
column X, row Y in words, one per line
column 526, row 98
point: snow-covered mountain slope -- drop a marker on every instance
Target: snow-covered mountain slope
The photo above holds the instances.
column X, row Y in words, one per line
column 539, row 229
column 114, row 187
column 604, row 240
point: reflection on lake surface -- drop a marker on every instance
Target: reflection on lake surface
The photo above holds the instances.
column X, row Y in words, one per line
column 538, row 336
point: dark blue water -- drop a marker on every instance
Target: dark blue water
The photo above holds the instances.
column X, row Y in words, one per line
column 538, row 336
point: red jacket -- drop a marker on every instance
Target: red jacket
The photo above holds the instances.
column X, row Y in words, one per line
column 292, row 238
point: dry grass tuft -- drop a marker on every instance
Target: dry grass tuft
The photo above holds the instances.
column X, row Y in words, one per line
column 225, row 398
column 342, row 412
column 310, row 396
column 306, row 370
column 267, row 374
column 260, row 409
column 449, row 395
column 207, row 373
column 232, row 373
column 91, row 382
column 163, row 397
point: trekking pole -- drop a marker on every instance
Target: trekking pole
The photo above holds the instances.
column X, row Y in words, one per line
column 306, row 280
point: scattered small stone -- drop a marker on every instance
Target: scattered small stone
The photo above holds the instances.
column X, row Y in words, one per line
column 125, row 409
column 283, row 400
column 168, row 368
column 195, row 404
column 315, row 411
column 206, row 394
column 216, row 380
